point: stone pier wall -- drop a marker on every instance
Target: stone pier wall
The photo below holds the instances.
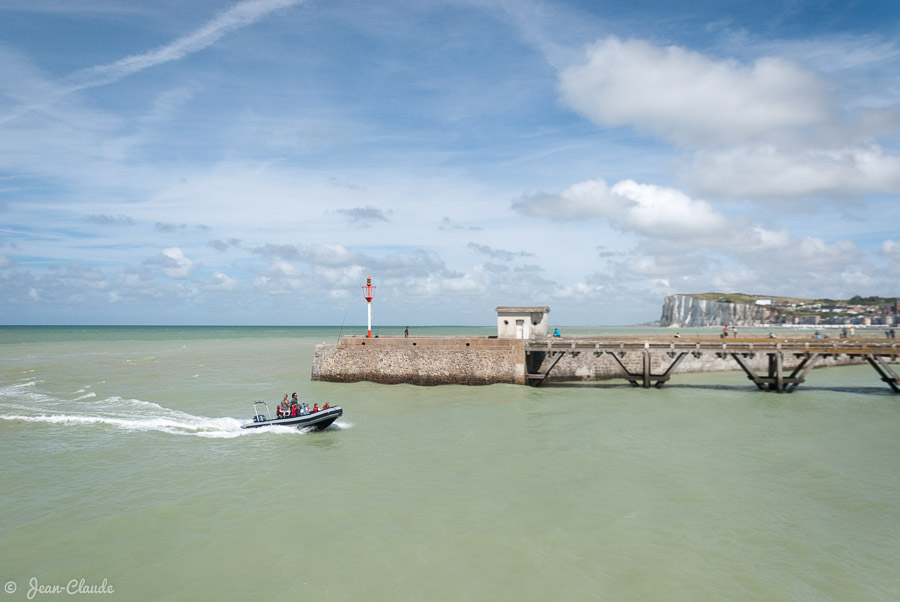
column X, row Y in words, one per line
column 421, row 360
column 484, row 361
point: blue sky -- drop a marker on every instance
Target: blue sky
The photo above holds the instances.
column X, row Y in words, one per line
column 251, row 163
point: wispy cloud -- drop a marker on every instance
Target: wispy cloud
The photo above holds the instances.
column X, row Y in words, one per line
column 497, row 253
column 109, row 220
column 240, row 15
column 364, row 215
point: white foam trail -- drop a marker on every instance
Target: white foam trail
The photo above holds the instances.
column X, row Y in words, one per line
column 211, row 428
column 22, row 403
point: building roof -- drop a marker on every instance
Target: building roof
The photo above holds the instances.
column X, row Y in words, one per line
column 527, row 309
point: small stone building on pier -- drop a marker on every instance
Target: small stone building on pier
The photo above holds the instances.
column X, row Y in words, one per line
column 527, row 322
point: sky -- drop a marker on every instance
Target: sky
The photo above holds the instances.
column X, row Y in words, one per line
column 253, row 162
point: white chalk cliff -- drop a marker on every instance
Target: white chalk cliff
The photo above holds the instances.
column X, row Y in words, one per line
column 684, row 311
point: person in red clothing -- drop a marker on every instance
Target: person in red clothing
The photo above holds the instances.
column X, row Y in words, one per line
column 315, row 407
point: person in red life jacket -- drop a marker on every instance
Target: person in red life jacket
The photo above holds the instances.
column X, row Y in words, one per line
column 326, row 406
column 315, row 407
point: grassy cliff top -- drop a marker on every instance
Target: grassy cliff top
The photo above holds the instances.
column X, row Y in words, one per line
column 750, row 299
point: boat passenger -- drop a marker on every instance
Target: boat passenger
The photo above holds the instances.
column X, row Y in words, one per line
column 315, row 407
column 326, row 406
column 304, row 410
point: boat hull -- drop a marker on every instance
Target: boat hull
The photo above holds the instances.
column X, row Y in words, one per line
column 317, row 420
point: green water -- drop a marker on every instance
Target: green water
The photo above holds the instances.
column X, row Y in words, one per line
column 123, row 459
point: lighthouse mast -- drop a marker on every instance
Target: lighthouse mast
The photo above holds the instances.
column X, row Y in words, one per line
column 369, row 293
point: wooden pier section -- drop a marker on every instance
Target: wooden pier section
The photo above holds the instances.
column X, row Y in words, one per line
column 542, row 355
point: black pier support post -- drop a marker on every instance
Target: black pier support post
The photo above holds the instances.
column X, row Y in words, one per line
column 776, row 380
column 886, row 372
column 646, row 378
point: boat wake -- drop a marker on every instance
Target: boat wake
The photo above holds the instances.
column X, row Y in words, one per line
column 23, row 403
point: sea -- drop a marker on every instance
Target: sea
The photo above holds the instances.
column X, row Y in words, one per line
column 125, row 474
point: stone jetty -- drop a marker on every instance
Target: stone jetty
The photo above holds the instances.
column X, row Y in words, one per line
column 524, row 353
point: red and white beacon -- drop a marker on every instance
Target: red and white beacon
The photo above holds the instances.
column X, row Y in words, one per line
column 368, row 293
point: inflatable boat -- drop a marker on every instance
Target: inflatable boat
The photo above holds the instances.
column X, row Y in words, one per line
column 319, row 419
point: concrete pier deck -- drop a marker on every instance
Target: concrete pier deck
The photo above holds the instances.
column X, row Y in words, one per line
column 806, row 352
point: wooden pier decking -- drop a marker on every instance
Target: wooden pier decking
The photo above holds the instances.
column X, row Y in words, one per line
column 542, row 355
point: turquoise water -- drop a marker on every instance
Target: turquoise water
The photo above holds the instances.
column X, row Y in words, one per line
column 123, row 459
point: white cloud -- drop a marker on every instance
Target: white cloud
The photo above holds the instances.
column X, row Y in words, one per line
column 221, row 282
column 666, row 212
column 813, row 254
column 348, row 277
column 174, row 263
column 689, row 98
column 646, row 209
column 890, row 249
column 578, row 291
column 282, row 268
column 770, row 130
column 763, row 172
column 585, row 200
column 757, row 239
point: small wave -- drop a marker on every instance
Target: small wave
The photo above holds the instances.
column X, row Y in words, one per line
column 88, row 395
column 19, row 390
